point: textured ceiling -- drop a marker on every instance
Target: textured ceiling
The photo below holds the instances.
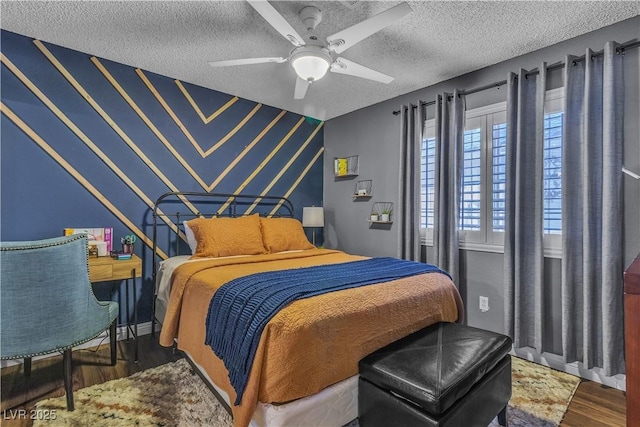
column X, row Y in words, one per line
column 438, row 41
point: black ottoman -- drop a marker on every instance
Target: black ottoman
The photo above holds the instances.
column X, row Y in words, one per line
column 444, row 375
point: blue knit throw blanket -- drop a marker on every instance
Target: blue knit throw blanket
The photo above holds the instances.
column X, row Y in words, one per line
column 241, row 308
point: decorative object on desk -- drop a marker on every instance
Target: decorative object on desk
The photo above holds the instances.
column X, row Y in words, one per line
column 100, row 234
column 127, row 243
column 345, row 166
column 313, row 217
column 102, row 248
column 121, row 255
column 363, row 188
column 93, row 249
column 381, row 212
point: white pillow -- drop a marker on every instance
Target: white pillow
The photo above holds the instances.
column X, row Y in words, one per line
column 191, row 238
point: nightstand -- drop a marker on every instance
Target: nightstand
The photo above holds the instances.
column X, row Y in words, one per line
column 107, row 269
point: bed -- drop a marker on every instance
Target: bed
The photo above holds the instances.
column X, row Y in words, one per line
column 305, row 367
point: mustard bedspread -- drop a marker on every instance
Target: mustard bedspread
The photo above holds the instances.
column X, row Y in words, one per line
column 312, row 343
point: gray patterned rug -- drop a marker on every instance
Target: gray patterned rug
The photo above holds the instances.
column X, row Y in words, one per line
column 171, row 395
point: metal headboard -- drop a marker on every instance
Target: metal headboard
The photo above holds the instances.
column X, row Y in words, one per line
column 195, row 204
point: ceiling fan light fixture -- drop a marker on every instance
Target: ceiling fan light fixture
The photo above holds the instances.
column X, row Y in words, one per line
column 311, row 65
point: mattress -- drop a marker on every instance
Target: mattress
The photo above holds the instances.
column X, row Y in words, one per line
column 165, row 272
column 311, row 345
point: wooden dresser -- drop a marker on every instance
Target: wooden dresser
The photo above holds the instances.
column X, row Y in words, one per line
column 632, row 340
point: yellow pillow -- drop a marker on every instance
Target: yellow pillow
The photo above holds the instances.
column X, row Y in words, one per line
column 283, row 234
column 218, row 237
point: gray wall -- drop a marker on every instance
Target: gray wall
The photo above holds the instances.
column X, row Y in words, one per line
column 373, row 134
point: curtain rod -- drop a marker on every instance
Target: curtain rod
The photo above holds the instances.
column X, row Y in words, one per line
column 620, row 50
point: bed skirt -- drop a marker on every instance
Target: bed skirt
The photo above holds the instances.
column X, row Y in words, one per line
column 336, row 405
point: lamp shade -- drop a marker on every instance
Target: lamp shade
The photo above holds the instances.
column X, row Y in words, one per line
column 313, row 216
column 310, row 62
column 310, row 67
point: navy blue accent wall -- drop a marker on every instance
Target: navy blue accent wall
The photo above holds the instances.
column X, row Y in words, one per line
column 52, row 179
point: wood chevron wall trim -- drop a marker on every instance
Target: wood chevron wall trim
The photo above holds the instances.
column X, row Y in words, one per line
column 182, row 126
column 213, row 115
column 148, row 122
column 83, row 137
column 245, row 151
column 111, row 123
column 261, row 166
column 297, row 181
column 73, row 172
column 74, row 128
column 120, row 137
column 284, row 168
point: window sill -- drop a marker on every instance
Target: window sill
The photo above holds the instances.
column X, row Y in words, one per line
column 497, row 249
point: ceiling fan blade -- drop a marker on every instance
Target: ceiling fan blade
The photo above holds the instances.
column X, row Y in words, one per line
column 343, row 40
column 247, row 61
column 301, row 88
column 271, row 15
column 344, row 66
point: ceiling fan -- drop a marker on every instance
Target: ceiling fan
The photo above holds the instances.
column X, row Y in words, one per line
column 312, row 58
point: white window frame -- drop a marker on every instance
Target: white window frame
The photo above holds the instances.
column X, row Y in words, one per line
column 486, row 240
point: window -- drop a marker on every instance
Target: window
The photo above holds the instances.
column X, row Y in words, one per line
column 470, row 192
column 553, row 173
column 483, row 188
column 499, row 174
column 426, row 182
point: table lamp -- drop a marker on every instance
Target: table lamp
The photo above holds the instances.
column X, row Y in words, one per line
column 313, row 217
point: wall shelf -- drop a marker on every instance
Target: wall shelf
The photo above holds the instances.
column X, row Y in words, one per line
column 344, row 167
column 363, row 189
column 381, row 213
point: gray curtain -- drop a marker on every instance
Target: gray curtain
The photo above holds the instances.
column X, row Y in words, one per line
column 523, row 239
column 447, row 181
column 592, row 261
column 408, row 210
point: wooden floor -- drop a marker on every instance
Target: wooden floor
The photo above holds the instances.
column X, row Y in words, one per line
column 89, row 368
column 596, row 405
column 593, row 405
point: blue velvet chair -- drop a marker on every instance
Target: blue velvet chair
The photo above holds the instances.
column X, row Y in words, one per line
column 47, row 304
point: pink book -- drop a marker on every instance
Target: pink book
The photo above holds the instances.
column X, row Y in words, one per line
column 108, row 237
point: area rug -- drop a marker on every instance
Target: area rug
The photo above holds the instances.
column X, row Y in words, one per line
column 168, row 395
column 171, row 395
column 540, row 395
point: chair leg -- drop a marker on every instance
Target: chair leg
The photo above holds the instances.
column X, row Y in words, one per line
column 113, row 343
column 68, row 378
column 502, row 417
column 27, row 366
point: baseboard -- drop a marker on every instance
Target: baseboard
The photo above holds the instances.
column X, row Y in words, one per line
column 121, row 334
column 575, row 368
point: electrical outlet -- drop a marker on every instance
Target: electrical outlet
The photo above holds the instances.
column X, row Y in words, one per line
column 484, row 304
